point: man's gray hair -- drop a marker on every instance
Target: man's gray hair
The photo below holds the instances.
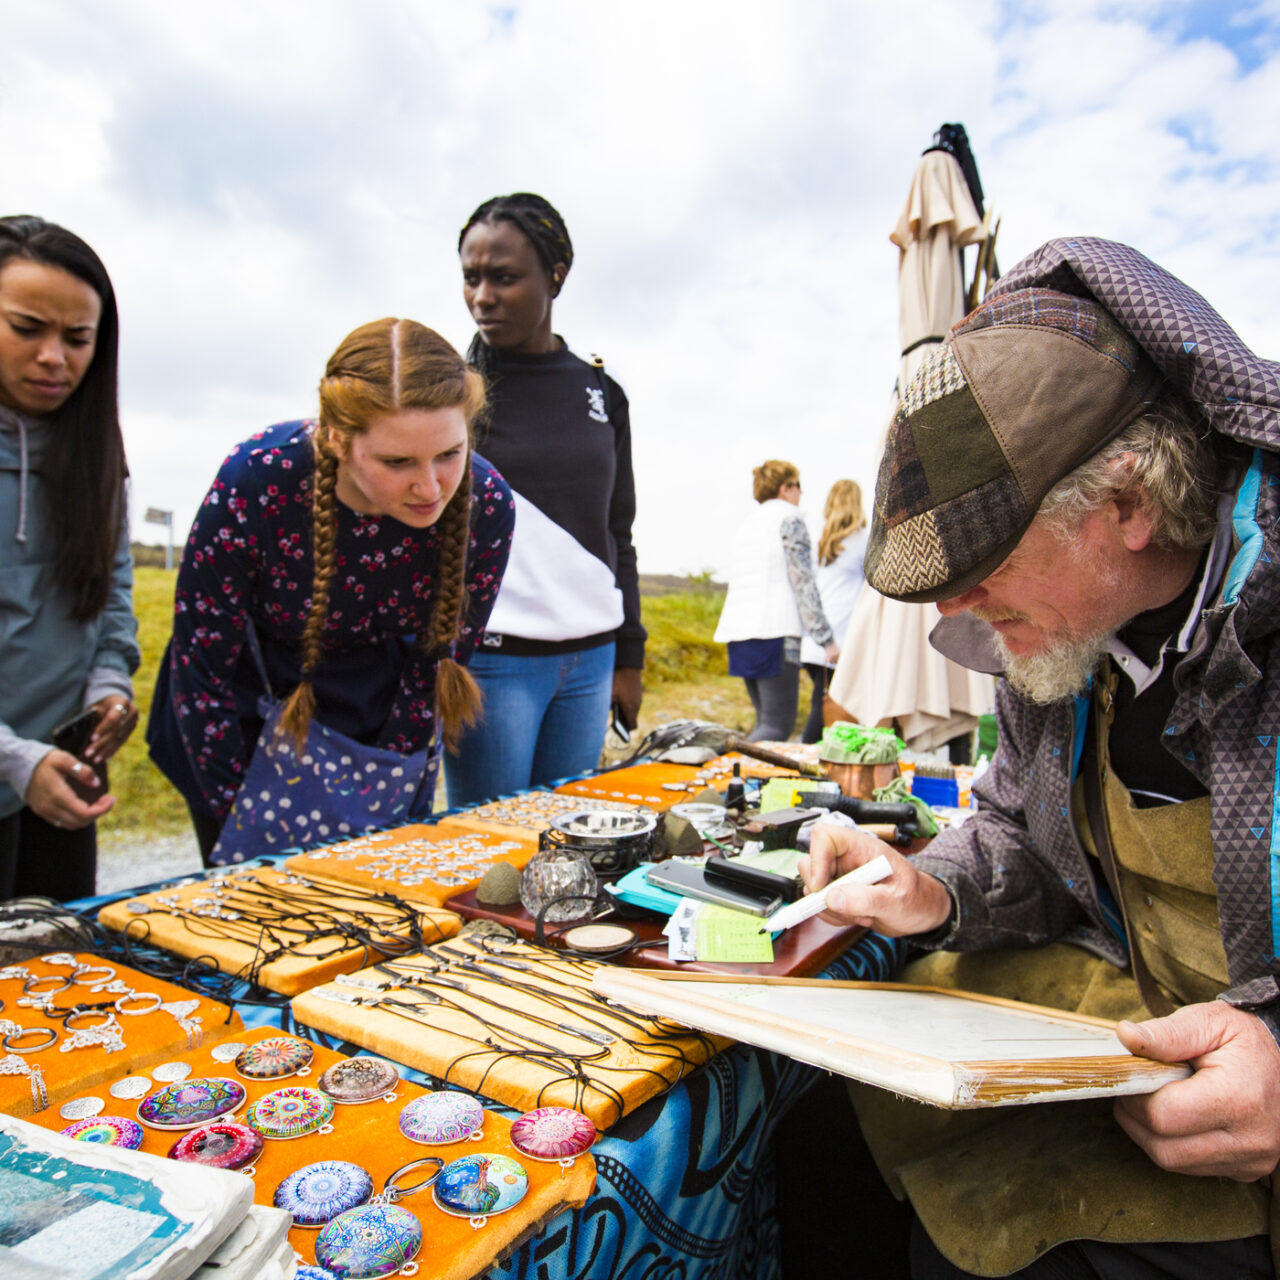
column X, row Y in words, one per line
column 1168, row 454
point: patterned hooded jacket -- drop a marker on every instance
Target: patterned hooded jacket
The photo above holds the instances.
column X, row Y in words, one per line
column 1017, row 870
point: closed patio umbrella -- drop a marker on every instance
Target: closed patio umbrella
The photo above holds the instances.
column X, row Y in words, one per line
column 887, row 668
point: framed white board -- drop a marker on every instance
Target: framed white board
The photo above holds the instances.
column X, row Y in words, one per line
column 954, row 1049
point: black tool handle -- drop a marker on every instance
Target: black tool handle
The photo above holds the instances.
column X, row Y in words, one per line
column 862, row 810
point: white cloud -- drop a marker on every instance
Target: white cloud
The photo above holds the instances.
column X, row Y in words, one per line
column 262, row 178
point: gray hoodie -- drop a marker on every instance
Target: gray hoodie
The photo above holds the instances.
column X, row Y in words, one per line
column 51, row 667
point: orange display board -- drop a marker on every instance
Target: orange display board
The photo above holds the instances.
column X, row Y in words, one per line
column 526, row 815
column 656, row 786
column 309, row 938
column 519, row 1021
column 154, row 1034
column 369, row 1135
column 419, row 863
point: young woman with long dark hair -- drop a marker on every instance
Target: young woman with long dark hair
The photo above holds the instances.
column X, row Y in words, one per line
column 67, row 633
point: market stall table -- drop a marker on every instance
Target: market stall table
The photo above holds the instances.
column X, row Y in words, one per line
column 685, row 1183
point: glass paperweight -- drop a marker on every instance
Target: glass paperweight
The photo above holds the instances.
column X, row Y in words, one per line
column 558, row 873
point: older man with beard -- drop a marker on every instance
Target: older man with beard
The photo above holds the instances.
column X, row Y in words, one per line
column 1085, row 478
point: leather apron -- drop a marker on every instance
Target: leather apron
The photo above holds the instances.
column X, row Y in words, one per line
column 997, row 1188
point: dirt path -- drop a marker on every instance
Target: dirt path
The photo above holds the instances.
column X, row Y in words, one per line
column 126, row 861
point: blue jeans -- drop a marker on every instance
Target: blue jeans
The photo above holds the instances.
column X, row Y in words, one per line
column 544, row 719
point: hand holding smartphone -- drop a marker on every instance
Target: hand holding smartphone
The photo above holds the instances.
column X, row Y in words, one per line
column 73, row 736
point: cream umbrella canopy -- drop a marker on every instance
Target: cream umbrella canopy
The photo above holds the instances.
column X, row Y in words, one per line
column 887, row 668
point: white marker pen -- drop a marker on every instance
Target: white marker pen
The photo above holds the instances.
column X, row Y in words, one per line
column 812, row 904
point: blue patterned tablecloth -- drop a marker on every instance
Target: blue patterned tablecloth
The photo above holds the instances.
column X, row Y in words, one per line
column 686, row 1182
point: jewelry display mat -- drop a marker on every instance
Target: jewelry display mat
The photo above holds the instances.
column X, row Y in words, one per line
column 657, row 786
column 369, row 1135
column 605, row 1081
column 149, row 1038
column 312, row 958
column 527, row 815
column 406, row 860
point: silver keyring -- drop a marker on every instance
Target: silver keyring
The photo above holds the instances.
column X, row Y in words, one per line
column 70, row 1021
column 29, row 987
column 22, row 1033
column 393, row 1193
column 80, row 976
column 139, row 995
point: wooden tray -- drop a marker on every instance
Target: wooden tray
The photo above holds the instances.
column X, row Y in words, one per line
column 313, row 961
column 797, row 953
column 527, row 815
column 657, row 786
column 464, row 1046
column 369, row 1135
column 419, row 863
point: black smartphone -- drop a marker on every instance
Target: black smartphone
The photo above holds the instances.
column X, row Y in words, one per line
column 73, row 737
column 615, row 723
column 691, row 881
column 739, row 874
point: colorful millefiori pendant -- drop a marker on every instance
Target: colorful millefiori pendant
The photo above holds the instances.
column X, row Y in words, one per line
column 446, row 1115
column 109, row 1131
column 275, row 1058
column 374, row 1240
column 191, row 1103
column 293, row 1112
column 224, row 1145
column 318, row 1193
column 356, row 1080
column 558, row 1134
column 476, row 1186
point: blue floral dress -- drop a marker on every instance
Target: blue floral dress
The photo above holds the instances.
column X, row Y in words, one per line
column 248, row 558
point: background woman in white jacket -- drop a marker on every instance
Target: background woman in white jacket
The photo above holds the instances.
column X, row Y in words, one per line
column 772, row 601
column 841, row 546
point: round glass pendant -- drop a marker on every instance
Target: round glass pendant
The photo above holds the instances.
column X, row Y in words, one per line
column 480, row 1185
column 553, row 1133
column 356, row 1080
column 275, row 1058
column 374, row 1240
column 109, row 1131
column 223, row 1145
column 293, row 1112
column 191, row 1103
column 558, row 873
column 444, row 1116
column 318, row 1193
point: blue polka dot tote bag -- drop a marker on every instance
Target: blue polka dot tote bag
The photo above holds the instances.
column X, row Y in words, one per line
column 331, row 789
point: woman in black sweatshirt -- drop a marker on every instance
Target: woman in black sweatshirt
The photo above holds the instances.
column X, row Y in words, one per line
column 565, row 638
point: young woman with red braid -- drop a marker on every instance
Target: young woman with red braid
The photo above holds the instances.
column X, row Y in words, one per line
column 364, row 550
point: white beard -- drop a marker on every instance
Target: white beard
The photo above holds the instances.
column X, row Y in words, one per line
column 1060, row 673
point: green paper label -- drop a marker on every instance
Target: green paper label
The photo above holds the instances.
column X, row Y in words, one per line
column 729, row 935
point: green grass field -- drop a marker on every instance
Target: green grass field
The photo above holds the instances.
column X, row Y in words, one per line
column 685, row 678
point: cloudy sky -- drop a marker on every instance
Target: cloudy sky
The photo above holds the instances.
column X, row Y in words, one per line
column 261, row 176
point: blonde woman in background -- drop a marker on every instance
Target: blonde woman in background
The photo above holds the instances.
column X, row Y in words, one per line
column 841, row 546
column 772, row 601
